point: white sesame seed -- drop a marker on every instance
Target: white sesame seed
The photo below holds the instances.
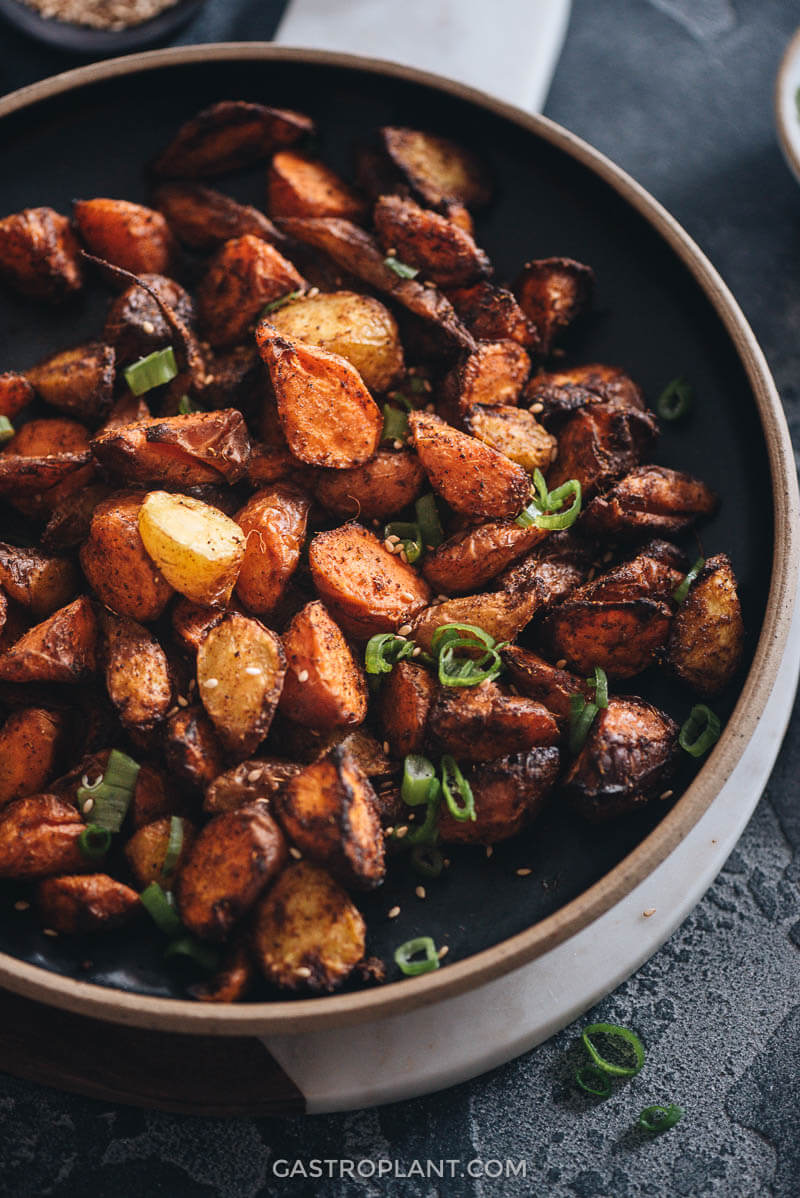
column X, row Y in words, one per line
column 303, row 971
column 416, row 652
column 208, row 380
column 536, row 408
column 254, row 775
column 429, row 407
column 397, row 443
column 148, row 327
column 561, row 663
column 302, row 676
column 387, row 748
column 667, row 794
column 404, row 630
column 49, row 932
column 211, row 683
column 443, row 951
column 253, row 671
column 393, row 913
column 87, row 806
column 391, row 251
column 447, row 862
column 523, row 873
column 21, row 905
column 172, row 711
column 419, row 891
column 441, row 598
column 388, row 546
column 393, row 539
column 298, row 856
column 650, row 911
column 401, row 832
column 389, row 829
column 182, row 702
column 489, row 850
column 404, row 556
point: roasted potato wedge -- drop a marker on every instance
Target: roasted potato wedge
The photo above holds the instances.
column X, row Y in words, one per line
column 31, row 742
column 706, row 641
column 125, row 234
column 494, row 373
column 325, row 687
column 229, row 136
column 196, row 548
column 556, row 394
column 78, row 903
column 146, row 851
column 308, row 934
column 39, row 254
column 329, row 811
column 233, row 858
column 69, row 524
column 553, row 569
column 15, row 394
column 479, row 723
column 240, row 671
column 244, row 275
column 472, row 477
column 552, row 293
column 366, row 588
column 301, row 186
column 135, row 324
column 503, row 614
column 356, row 327
column 628, row 758
column 136, row 673
column 514, row 432
column 404, row 705
column 385, row 484
column 468, row 559
column 233, row 979
column 546, row 683
column 509, row 794
column 274, row 524
column 39, row 836
column 653, row 573
column 622, row 636
column 43, row 462
column 38, row 581
column 200, row 447
column 441, row 250
column 493, row 314
column 79, row 380
column 191, row 623
column 438, row 170
column 61, row 649
column 651, row 499
column 191, row 747
column 135, row 587
column 598, row 443
column 259, row 778
column 203, row 218
column 327, row 414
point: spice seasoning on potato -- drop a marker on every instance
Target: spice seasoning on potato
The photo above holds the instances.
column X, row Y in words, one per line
column 240, row 671
column 86, row 903
column 135, row 587
column 196, row 548
column 31, row 741
column 274, row 523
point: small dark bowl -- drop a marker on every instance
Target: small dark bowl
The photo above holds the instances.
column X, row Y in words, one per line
column 81, row 39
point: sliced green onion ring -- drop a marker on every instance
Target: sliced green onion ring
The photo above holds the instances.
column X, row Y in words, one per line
column 682, row 589
column 675, row 400
column 152, row 371
column 581, row 718
column 174, row 846
column 449, row 632
column 383, row 652
column 594, row 1081
column 430, row 526
column 467, row 671
column 405, row 954
column 410, row 538
column 204, row 955
column 280, row 302
column 160, row 906
column 426, row 860
column 6, row 430
column 656, row 1119
column 599, row 680
column 543, row 511
column 625, row 1037
column 400, row 268
column 700, row 732
column 418, row 774
column 454, row 784
column 94, row 842
column 426, row 832
column 395, row 424
column 111, row 795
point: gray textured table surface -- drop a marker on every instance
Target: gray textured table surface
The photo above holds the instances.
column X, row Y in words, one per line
column 679, row 92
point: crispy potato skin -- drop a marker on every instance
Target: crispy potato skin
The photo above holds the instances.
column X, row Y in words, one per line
column 308, row 933
column 274, row 523
column 563, row 391
column 203, row 218
column 259, row 778
column 493, row 314
column 128, row 235
column 234, row 979
column 552, row 293
column 233, row 858
column 514, row 432
column 300, row 186
column 68, row 526
column 135, row 587
column 60, row 649
column 650, row 499
column 438, row 170
column 384, row 485
column 198, row 548
column 333, row 690
column 365, row 588
column 191, row 747
column 36, row 580
column 494, row 373
column 45, row 461
column 546, row 683
column 135, row 324
column 628, row 758
column 472, row 477
column 481, row 722
column 146, row 851
column 200, row 447
column 79, row 381
column 245, row 274
column 39, row 836
column 39, row 254
column 229, row 136
column 503, row 614
column 598, row 443
column 653, row 573
column 553, row 568
column 327, row 414
column 707, row 638
column 440, row 249
column 469, row 559
column 404, row 705
column 85, row 903
column 240, row 671
column 356, row 327
column 191, row 622
column 31, row 741
column 622, row 636
column 329, row 811
column 15, row 393
column 136, row 673
column 509, row 793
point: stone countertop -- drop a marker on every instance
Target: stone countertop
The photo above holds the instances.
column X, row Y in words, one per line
column 679, row 92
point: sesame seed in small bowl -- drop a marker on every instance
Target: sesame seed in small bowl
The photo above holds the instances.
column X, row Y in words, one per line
column 99, row 27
